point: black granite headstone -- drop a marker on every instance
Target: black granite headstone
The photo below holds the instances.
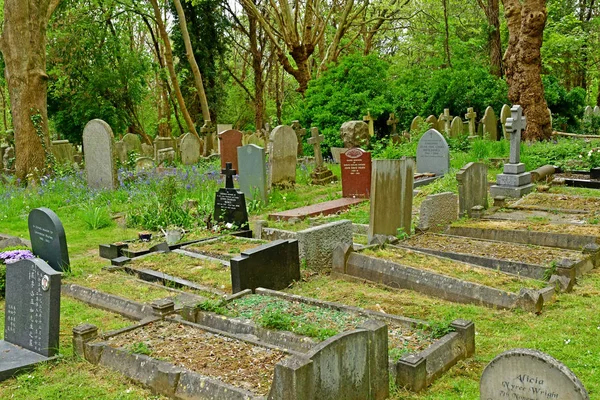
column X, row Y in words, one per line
column 273, row 265
column 32, row 315
column 230, row 203
column 48, row 240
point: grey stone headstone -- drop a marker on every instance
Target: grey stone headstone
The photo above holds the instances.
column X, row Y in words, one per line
column 132, row 143
column 62, row 151
column 190, row 148
column 121, row 151
column 283, row 147
column 32, row 316
column 99, row 150
column 224, row 127
column 165, row 156
column 144, row 163
column 438, row 211
column 253, row 172
column 432, row 121
column 504, row 115
column 490, row 124
column 147, row 150
column 433, row 153
column 596, row 111
column 48, row 240
column 336, row 153
column 472, row 187
column 457, row 127
column 416, row 123
column 588, row 111
column 529, row 374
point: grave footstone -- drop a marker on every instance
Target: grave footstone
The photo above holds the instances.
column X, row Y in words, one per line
column 229, row 141
column 489, row 121
column 321, row 175
column 504, row 115
column 356, row 173
column 456, row 128
column 433, row 153
column 253, row 172
column 190, row 148
column 438, row 211
column 529, row 375
column 391, row 197
column 514, row 182
column 472, row 187
column 98, row 146
column 48, row 239
column 230, row 203
column 32, row 316
column 283, row 146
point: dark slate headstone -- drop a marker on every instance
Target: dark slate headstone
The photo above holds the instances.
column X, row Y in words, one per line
column 48, row 240
column 273, row 265
column 230, row 203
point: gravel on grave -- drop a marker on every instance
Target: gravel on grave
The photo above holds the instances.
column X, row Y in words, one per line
column 561, row 201
column 532, row 225
column 529, row 254
column 229, row 360
column 570, row 175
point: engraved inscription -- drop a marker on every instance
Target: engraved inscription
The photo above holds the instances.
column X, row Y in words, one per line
column 525, row 387
column 44, row 234
column 228, row 201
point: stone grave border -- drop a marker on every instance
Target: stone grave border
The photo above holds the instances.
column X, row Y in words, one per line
column 294, row 377
column 564, row 267
column 350, row 264
column 518, row 206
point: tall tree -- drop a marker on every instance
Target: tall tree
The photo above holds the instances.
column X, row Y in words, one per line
column 491, row 8
column 523, row 63
column 23, row 45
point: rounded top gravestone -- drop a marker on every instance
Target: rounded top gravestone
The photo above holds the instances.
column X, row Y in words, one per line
column 529, row 374
column 283, row 149
column 433, row 153
column 48, row 240
column 99, row 150
column 190, row 149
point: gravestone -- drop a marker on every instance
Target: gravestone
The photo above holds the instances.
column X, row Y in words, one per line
column 283, row 146
column 253, row 173
column 432, row 121
column 224, row 127
column 165, row 156
column 354, row 134
column 456, row 128
column 132, row 143
column 230, row 203
column 321, row 174
column 191, row 149
column 274, row 265
column 514, row 182
column 391, row 197
column 370, row 122
column 550, row 116
column 416, row 124
column 472, row 187
column 356, row 173
column 255, row 139
column 32, row 316
column 471, row 117
column 48, row 239
column 121, row 151
column 300, row 133
column 229, row 141
column 161, row 143
column 596, row 111
column 587, row 113
column 144, row 164
column 529, row 375
column 392, row 121
column 433, row 153
column 8, row 159
column 62, row 151
column 98, row 146
column 504, row 115
column 445, row 121
column 438, row 211
column 490, row 124
column 147, row 150
column 336, row 152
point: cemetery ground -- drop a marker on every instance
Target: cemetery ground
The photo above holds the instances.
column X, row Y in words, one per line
column 567, row 328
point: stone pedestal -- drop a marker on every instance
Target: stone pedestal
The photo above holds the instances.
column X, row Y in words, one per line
column 514, row 182
column 322, row 176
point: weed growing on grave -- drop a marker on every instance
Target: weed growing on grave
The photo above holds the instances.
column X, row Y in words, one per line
column 439, row 329
column 140, row 348
column 215, row 306
column 96, row 217
column 548, row 272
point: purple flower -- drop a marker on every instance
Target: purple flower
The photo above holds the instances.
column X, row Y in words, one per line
column 12, row 256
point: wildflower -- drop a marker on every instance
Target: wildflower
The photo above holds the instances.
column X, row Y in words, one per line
column 12, row 256
column 567, row 341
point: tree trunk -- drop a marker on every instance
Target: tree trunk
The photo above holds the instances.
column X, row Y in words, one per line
column 259, row 84
column 523, row 64
column 492, row 12
column 23, row 45
column 447, row 34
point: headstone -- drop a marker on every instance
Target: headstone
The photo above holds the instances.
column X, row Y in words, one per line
column 161, row 143
column 456, row 128
column 121, row 151
column 433, row 153
column 321, row 175
column 165, row 156
column 356, row 173
column 370, row 121
column 392, row 121
column 230, row 203
column 446, row 121
column 62, row 151
column 514, row 182
column 300, row 133
column 336, row 152
column 229, row 141
column 416, row 124
column 529, row 375
column 8, row 159
column 354, row 134
column 438, row 211
column 32, row 316
column 147, row 150
column 391, row 197
column 274, row 265
column 490, row 124
column 255, row 139
column 48, row 239
column 99, row 151
column 224, row 127
column 550, row 116
column 504, row 115
column 191, row 149
column 144, row 164
column 253, row 172
column 471, row 117
column 132, row 143
column 432, row 121
column 472, row 187
column 283, row 146
column 596, row 111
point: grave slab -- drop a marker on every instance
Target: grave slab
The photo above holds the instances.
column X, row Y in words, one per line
column 326, row 208
column 16, row 359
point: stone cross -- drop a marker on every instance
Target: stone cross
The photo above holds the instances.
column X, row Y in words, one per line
column 447, row 118
column 514, row 125
column 206, row 131
column 392, row 121
column 300, row 132
column 229, row 173
column 316, row 140
column 471, row 115
column 369, row 119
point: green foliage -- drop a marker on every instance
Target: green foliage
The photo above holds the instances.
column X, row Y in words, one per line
column 2, row 280
column 215, row 306
column 439, row 329
column 96, row 217
column 140, row 348
column 566, row 106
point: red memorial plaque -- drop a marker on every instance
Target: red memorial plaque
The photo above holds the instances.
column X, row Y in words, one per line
column 356, row 173
column 229, row 141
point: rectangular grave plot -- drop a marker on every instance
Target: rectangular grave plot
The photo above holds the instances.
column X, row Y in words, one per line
column 560, row 202
column 135, row 248
column 224, row 247
column 274, row 266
